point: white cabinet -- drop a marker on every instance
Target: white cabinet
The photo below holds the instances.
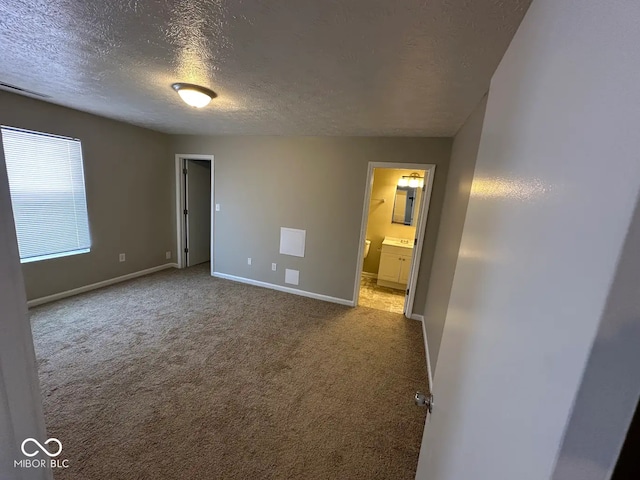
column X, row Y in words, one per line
column 390, row 267
column 405, row 267
column 395, row 264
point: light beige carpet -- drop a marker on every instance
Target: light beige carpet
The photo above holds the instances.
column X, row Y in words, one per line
column 178, row 375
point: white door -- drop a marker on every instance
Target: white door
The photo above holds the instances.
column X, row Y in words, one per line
column 198, row 211
column 543, row 232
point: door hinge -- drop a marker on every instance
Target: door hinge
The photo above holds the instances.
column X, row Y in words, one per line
column 415, row 241
column 184, row 170
column 186, row 250
column 424, row 187
column 407, row 291
column 186, row 212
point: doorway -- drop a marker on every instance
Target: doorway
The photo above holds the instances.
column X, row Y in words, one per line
column 194, row 202
column 392, row 233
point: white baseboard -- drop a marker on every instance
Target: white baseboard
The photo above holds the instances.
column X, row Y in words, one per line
column 426, row 351
column 415, row 316
column 69, row 293
column 369, row 275
column 280, row 288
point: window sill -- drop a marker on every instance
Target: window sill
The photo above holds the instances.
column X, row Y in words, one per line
column 54, row 255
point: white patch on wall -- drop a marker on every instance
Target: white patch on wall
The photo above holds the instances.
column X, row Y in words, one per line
column 292, row 276
column 292, row 241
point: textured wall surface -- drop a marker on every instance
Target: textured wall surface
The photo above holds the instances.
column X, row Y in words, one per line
column 362, row 67
column 129, row 183
column 312, row 183
column 544, row 232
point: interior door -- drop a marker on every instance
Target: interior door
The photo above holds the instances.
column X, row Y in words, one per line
column 409, row 296
column 198, row 211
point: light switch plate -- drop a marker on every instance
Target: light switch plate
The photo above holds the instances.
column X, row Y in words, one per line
column 274, row 267
column 292, row 276
column 122, row 257
column 217, row 207
column 249, row 261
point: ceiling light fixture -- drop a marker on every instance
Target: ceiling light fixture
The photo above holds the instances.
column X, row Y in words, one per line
column 412, row 181
column 194, row 95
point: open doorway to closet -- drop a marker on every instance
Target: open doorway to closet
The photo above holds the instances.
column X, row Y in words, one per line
column 194, row 202
column 393, row 224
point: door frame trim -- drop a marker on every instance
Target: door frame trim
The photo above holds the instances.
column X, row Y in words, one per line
column 426, row 352
column 180, row 228
column 429, row 170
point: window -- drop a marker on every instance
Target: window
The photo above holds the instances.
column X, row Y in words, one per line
column 46, row 182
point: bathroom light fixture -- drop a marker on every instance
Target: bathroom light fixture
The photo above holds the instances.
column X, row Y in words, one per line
column 194, row 95
column 412, row 181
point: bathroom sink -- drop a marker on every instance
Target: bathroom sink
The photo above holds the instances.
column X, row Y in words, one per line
column 398, row 242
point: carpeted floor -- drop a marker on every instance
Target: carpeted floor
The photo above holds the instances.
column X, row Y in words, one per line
column 178, row 375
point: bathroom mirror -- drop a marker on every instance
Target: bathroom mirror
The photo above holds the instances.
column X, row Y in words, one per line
column 406, row 204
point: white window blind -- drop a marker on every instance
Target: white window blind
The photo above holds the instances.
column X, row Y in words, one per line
column 46, row 181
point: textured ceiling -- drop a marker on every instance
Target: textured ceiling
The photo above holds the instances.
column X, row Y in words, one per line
column 297, row 67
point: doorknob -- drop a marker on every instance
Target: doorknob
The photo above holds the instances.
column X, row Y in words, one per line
column 423, row 400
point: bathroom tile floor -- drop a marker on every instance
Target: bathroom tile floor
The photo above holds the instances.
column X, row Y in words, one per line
column 380, row 298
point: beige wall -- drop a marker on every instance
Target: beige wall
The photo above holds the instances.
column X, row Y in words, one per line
column 129, row 182
column 262, row 183
column 454, row 210
column 379, row 225
column 312, row 183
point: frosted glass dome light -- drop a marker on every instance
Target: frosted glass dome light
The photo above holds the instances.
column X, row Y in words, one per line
column 412, row 181
column 194, row 95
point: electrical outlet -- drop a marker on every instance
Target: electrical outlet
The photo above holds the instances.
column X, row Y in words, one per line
column 167, row 255
column 249, row 261
column 122, row 257
column 217, row 207
column 274, row 267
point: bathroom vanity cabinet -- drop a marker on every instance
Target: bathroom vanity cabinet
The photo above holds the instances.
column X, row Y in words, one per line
column 395, row 263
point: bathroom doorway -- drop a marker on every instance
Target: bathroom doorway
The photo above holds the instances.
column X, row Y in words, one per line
column 393, row 224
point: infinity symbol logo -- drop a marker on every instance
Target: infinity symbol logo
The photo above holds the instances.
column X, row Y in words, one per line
column 42, row 447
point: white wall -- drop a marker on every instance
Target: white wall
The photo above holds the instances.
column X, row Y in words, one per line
column 454, row 210
column 20, row 401
column 555, row 185
column 610, row 386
